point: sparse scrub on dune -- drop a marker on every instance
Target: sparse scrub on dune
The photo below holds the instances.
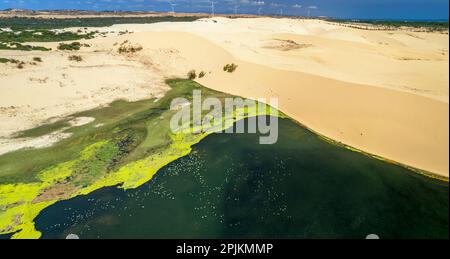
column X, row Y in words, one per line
column 25, row 23
column 230, row 68
column 70, row 46
column 382, row 25
column 127, row 47
column 18, row 46
column 37, row 59
column 14, row 61
column 202, row 74
column 21, row 65
column 192, row 75
column 76, row 58
column 42, row 36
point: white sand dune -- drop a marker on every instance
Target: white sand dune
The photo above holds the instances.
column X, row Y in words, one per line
column 58, row 87
column 415, row 62
column 384, row 92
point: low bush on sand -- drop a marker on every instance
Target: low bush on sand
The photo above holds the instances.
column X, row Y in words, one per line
column 72, row 46
column 202, row 74
column 127, row 47
column 230, row 68
column 21, row 65
column 42, row 36
column 192, row 75
column 18, row 63
column 18, row 46
column 37, row 59
column 75, row 58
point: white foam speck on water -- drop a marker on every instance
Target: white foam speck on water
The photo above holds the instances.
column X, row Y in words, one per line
column 372, row 236
column 72, row 236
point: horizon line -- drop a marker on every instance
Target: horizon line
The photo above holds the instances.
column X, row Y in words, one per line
column 229, row 13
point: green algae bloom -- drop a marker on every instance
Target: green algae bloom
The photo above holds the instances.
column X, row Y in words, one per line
column 127, row 152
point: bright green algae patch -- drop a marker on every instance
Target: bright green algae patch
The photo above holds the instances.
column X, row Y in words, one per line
column 126, row 146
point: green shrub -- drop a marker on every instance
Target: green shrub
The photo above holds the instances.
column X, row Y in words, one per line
column 75, row 58
column 192, row 75
column 230, row 68
column 41, row 36
column 39, row 48
column 126, row 47
column 71, row 46
column 18, row 46
column 37, row 59
column 20, row 64
column 25, row 23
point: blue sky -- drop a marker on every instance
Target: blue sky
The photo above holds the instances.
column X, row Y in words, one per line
column 371, row 9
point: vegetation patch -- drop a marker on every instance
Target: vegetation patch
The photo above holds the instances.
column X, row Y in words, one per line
column 127, row 47
column 4, row 60
column 18, row 63
column 426, row 26
column 192, row 75
column 42, row 36
column 25, row 23
column 19, row 46
column 76, row 58
column 230, row 68
column 70, row 46
column 133, row 144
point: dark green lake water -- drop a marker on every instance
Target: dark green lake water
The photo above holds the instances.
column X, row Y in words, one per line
column 232, row 187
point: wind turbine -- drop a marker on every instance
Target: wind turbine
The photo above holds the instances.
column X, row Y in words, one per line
column 259, row 11
column 298, row 7
column 281, row 12
column 236, row 9
column 212, row 8
column 172, row 5
column 309, row 10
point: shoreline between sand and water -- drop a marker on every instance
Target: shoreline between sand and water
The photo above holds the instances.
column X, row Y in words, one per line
column 56, row 174
column 25, row 200
column 346, row 112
